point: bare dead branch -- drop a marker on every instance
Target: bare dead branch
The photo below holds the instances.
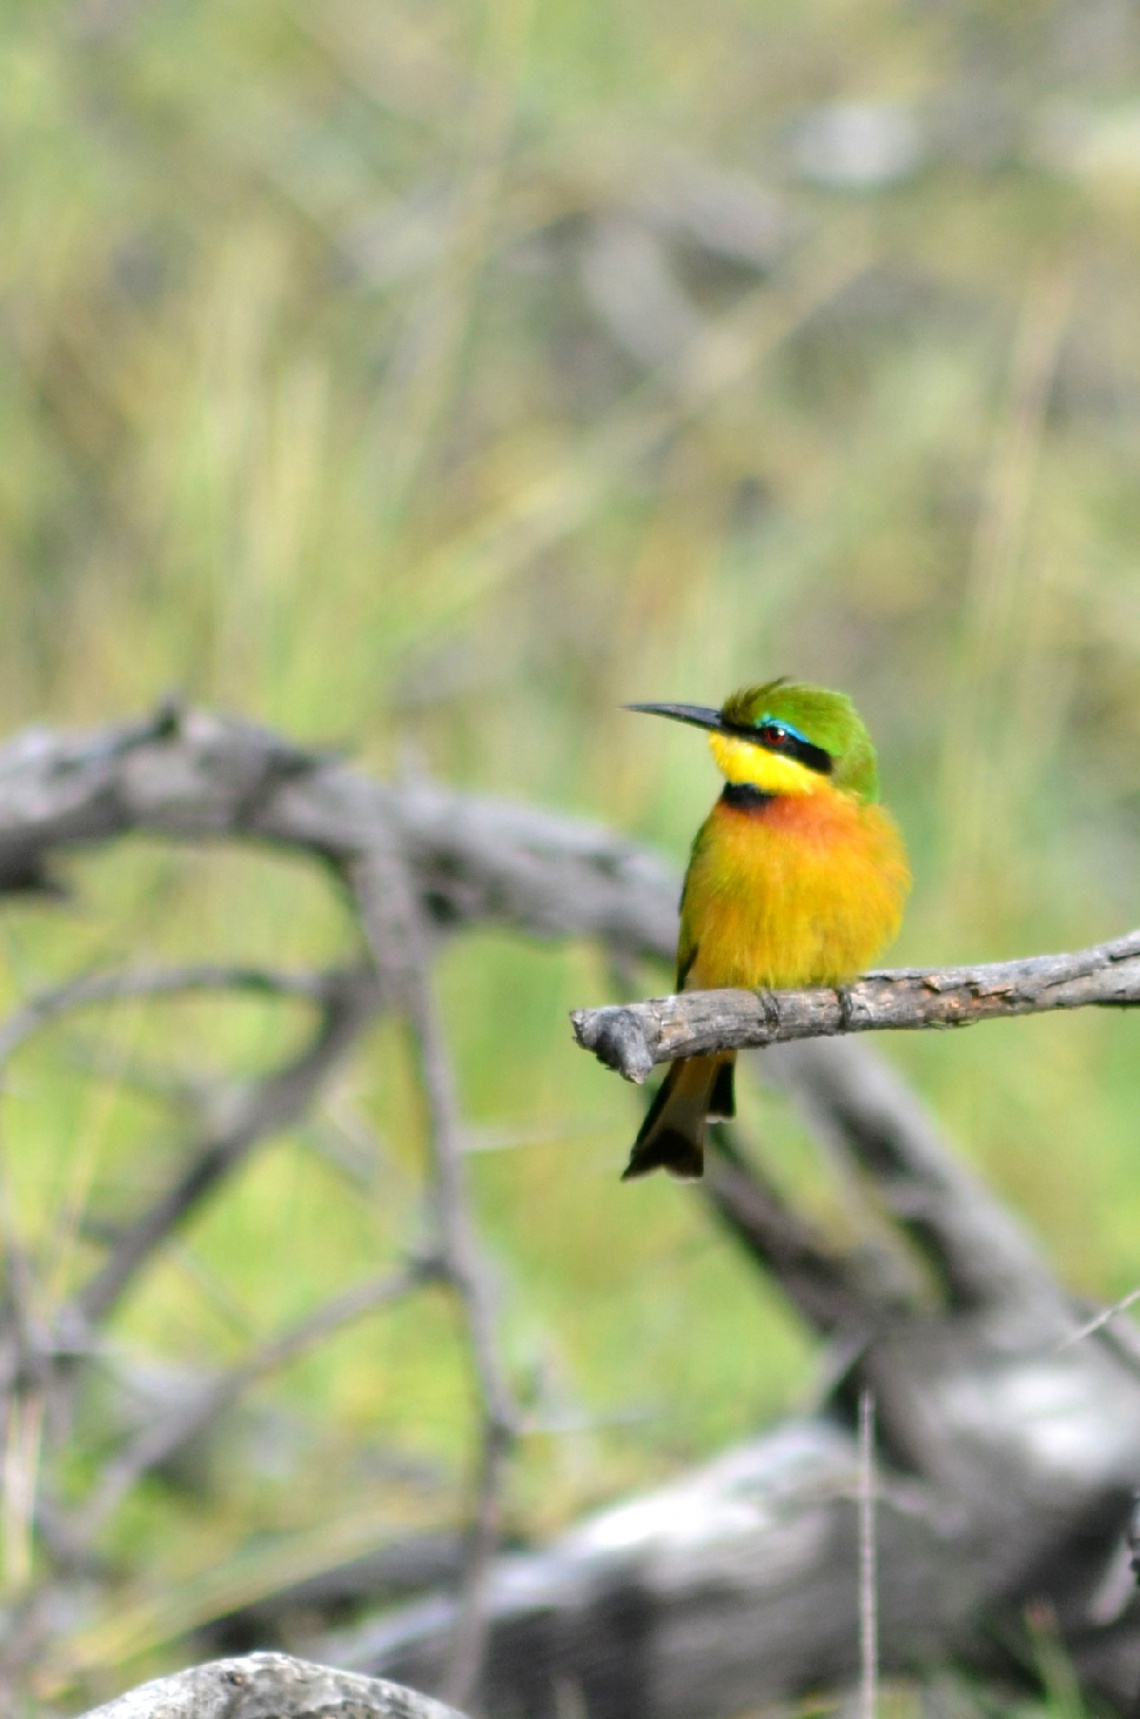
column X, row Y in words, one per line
column 832, row 1291
column 979, row 1253
column 24, row 1343
column 20, row 1477
column 868, row 1576
column 261, row 1683
column 159, row 1441
column 396, row 931
column 32, row 1345
column 1003, row 1472
column 1103, row 1318
column 195, row 777
column 103, row 987
column 624, row 1619
column 632, row 1037
column 262, row 1108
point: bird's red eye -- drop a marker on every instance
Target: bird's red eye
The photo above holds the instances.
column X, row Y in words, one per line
column 772, row 734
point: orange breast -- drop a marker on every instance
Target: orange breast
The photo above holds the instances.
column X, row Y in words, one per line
column 802, row 891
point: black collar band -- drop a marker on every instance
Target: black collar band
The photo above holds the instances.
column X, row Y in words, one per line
column 746, row 796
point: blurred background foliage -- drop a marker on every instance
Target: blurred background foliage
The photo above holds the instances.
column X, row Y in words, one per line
column 431, row 378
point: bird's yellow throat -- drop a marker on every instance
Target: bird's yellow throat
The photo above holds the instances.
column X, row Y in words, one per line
column 744, row 761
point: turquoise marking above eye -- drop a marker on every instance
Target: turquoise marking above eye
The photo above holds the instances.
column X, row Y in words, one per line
column 796, row 733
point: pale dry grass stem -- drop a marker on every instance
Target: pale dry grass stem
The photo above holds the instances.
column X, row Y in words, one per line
column 983, row 747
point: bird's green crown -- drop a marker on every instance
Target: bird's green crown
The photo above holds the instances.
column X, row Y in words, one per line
column 813, row 714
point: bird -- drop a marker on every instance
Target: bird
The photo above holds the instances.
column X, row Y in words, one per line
column 797, row 877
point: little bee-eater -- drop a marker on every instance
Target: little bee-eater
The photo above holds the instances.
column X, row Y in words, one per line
column 796, row 878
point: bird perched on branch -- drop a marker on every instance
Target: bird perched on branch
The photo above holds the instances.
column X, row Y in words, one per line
column 796, row 878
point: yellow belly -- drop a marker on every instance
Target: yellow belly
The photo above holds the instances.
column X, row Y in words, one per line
column 804, row 891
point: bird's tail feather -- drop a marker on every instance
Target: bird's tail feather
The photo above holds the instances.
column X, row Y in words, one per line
column 672, row 1137
column 722, row 1099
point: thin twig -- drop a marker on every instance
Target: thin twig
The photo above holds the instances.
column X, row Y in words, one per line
column 397, row 935
column 20, row 1475
column 868, row 1579
column 102, row 987
column 86, row 991
column 262, row 1108
column 26, row 1380
column 32, row 1348
column 158, row 1442
column 632, row 1037
column 22, row 1336
column 876, row 1127
column 828, row 1288
column 499, row 1417
column 1102, row 1319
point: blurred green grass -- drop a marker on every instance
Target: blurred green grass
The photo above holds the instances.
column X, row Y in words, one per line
column 309, row 410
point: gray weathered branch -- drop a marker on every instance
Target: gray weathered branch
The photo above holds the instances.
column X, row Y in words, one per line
column 632, row 1037
column 110, row 987
column 394, row 924
column 971, row 1245
column 832, row 1292
column 261, row 1684
column 258, row 1109
column 158, row 1441
column 418, row 861
column 196, row 777
column 1007, row 1459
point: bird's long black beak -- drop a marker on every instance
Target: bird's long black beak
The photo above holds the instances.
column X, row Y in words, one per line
column 697, row 714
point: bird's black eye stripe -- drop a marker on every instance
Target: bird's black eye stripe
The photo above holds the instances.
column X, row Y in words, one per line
column 774, row 737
